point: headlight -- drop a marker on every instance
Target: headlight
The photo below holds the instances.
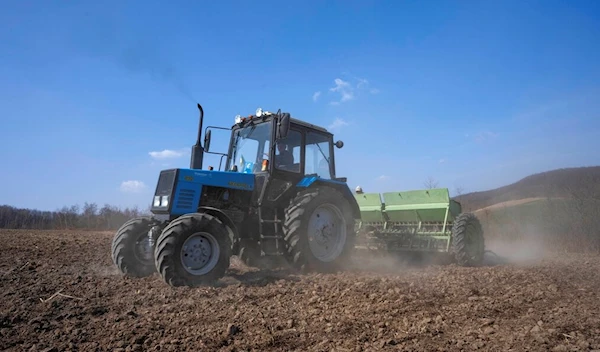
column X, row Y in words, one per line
column 161, row 201
column 164, row 201
column 259, row 112
column 238, row 119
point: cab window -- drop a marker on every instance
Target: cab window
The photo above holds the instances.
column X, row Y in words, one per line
column 317, row 155
column 287, row 152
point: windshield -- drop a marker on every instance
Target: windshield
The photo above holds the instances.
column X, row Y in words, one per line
column 250, row 146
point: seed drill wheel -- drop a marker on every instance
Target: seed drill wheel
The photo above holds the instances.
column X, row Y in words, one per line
column 132, row 250
column 319, row 230
column 467, row 240
column 193, row 250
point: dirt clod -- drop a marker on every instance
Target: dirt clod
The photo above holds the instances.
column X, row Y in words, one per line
column 233, row 329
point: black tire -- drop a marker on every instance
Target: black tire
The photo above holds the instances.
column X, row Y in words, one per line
column 296, row 228
column 467, row 240
column 168, row 252
column 126, row 250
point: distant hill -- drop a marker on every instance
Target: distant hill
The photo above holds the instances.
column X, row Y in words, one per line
column 572, row 183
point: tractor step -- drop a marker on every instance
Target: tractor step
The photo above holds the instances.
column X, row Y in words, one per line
column 271, row 245
column 270, row 221
column 271, row 242
column 271, row 237
column 274, row 254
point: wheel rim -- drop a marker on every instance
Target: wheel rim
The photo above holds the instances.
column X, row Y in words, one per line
column 144, row 251
column 326, row 232
column 200, row 253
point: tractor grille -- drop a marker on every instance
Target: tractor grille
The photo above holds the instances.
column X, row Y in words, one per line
column 185, row 199
column 166, row 182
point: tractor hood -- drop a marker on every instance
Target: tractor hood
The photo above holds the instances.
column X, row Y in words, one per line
column 226, row 179
column 178, row 190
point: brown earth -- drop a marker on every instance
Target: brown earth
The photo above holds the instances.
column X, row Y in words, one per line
column 545, row 304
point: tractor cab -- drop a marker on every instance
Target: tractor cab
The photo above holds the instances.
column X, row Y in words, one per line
column 268, row 142
column 280, row 152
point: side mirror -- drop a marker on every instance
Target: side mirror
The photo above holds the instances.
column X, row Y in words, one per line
column 283, row 126
column 339, row 144
column 207, row 141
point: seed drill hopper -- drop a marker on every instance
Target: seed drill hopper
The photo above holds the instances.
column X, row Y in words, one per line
column 419, row 221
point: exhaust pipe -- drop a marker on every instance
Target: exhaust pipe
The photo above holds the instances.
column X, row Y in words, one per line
column 197, row 157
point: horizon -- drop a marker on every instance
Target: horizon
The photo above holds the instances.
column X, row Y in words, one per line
column 145, row 208
column 476, row 96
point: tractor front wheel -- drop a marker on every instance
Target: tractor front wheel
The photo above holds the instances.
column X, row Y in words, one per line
column 193, row 250
column 319, row 230
column 467, row 240
column 131, row 249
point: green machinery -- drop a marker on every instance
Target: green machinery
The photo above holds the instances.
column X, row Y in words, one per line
column 419, row 221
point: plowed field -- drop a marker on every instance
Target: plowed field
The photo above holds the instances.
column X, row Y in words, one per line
column 544, row 304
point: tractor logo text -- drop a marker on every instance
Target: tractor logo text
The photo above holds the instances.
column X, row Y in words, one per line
column 238, row 184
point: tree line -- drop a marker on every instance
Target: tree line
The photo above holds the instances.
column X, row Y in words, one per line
column 89, row 216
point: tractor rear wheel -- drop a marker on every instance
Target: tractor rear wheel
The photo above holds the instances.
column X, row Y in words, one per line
column 467, row 240
column 319, row 230
column 132, row 250
column 193, row 250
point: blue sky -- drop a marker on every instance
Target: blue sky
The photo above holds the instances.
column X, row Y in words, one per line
column 473, row 94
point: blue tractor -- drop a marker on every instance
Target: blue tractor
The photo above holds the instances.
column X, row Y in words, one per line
column 277, row 197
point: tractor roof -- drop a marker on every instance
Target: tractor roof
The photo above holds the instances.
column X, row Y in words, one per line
column 269, row 116
column 309, row 125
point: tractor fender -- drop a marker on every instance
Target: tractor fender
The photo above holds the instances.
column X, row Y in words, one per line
column 342, row 187
column 231, row 228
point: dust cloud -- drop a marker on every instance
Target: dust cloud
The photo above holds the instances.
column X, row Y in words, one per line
column 517, row 242
column 382, row 262
column 529, row 250
column 106, row 270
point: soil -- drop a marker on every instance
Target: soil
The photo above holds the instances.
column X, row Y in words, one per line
column 544, row 304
